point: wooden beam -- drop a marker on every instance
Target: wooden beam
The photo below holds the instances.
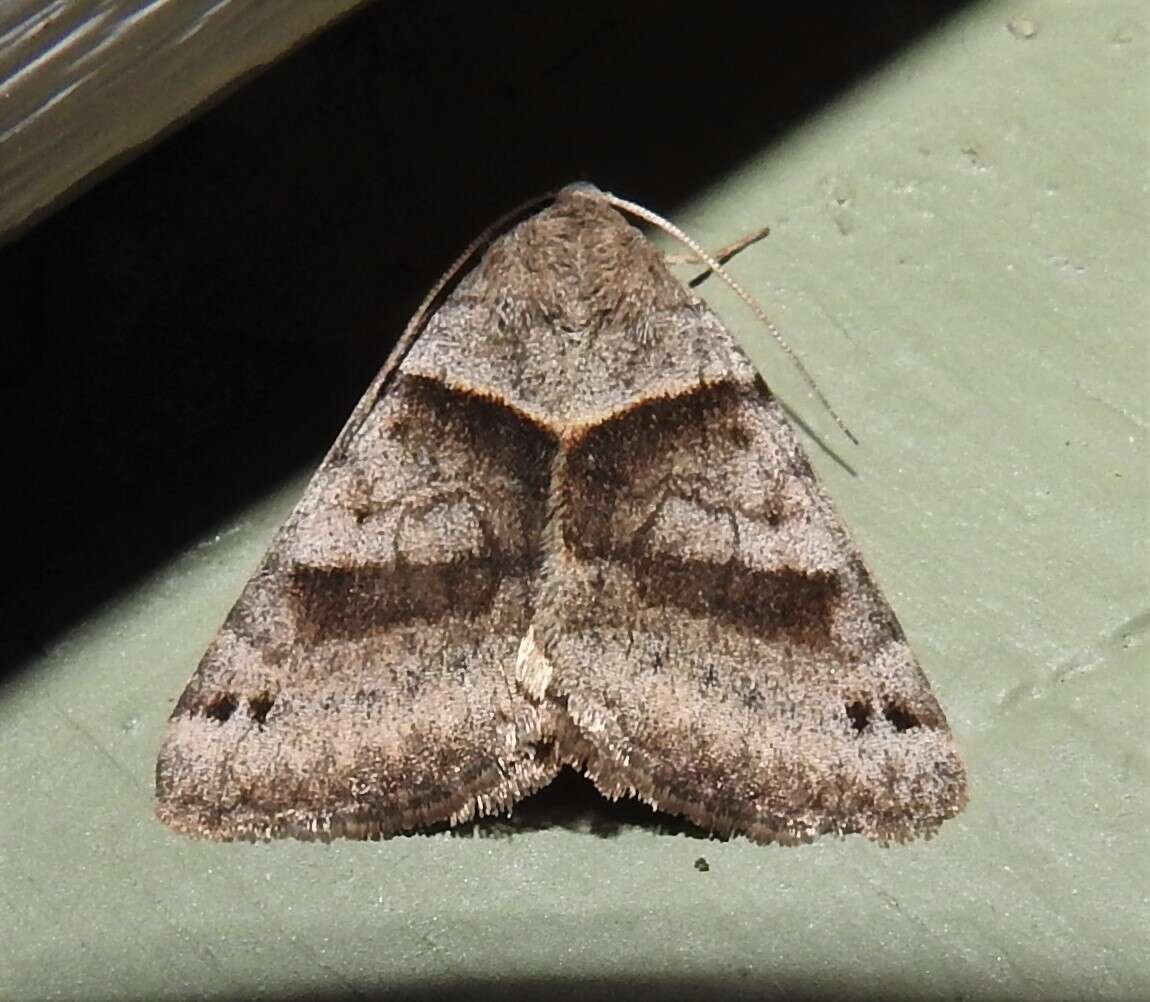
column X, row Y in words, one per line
column 86, row 84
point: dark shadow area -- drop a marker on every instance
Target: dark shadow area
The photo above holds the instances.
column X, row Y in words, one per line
column 741, row 982
column 571, row 801
column 201, row 323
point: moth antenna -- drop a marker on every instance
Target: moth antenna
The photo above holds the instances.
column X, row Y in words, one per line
column 419, row 318
column 416, row 324
column 693, row 245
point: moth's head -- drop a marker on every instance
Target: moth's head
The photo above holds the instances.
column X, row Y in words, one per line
column 578, row 265
column 579, row 189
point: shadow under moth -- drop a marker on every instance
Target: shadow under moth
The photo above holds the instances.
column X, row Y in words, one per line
column 568, row 524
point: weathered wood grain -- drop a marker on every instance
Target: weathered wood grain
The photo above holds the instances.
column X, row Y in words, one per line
column 84, row 83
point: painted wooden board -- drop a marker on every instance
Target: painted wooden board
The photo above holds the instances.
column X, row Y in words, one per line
column 83, row 84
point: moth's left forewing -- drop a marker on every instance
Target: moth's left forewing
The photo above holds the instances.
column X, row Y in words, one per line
column 714, row 632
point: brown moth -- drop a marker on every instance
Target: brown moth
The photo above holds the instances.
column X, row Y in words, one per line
column 567, row 524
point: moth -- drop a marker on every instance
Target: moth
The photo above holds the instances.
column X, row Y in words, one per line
column 568, row 524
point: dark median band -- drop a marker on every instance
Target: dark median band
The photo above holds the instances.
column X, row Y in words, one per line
column 761, row 602
column 346, row 604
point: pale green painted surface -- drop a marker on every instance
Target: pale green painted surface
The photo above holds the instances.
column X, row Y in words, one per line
column 960, row 251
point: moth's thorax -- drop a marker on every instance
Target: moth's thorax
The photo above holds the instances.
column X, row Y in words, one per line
column 580, row 317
